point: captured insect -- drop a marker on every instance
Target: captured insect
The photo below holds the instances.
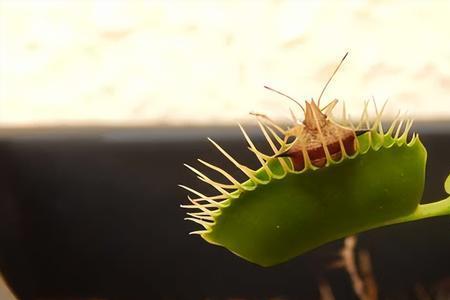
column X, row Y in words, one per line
column 334, row 179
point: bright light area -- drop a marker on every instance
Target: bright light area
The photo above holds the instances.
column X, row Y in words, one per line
column 205, row 62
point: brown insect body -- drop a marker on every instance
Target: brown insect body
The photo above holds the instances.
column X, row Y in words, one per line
column 318, row 137
column 316, row 132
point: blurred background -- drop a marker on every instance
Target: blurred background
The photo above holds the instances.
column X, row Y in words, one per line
column 189, row 62
column 101, row 102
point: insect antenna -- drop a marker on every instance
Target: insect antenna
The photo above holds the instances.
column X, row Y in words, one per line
column 332, row 75
column 282, row 94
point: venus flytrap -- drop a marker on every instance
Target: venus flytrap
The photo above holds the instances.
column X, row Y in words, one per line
column 333, row 180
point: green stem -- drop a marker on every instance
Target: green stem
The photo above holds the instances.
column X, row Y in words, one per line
column 423, row 211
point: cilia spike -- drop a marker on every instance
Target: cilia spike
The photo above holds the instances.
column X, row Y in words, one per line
column 325, row 180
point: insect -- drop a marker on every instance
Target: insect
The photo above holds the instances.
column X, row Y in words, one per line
column 333, row 180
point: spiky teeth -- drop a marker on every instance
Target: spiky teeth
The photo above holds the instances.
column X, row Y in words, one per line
column 317, row 142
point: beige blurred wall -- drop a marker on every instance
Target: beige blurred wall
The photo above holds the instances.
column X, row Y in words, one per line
column 202, row 62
